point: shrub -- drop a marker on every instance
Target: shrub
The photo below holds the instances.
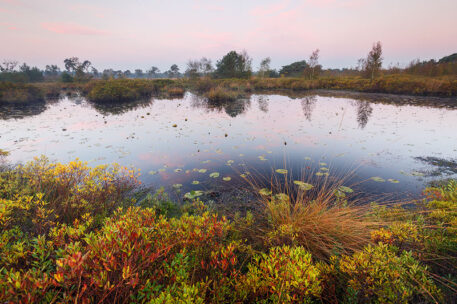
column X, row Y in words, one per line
column 68, row 190
column 19, row 93
column 284, row 275
column 378, row 275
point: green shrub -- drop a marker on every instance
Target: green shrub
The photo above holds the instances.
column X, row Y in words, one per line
column 284, row 275
column 378, row 275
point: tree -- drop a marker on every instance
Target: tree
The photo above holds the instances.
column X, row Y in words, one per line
column 373, row 63
column 8, row 65
column 206, row 66
column 295, row 69
column 77, row 68
column 313, row 63
column 51, row 70
column 32, row 74
column 234, row 65
column 173, row 72
column 153, row 72
column 193, row 68
column 264, row 67
column 139, row 73
column 127, row 74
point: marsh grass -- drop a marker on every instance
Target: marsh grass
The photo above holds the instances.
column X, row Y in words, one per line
column 317, row 213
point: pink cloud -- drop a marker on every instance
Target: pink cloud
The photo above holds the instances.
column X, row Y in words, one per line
column 9, row 26
column 72, row 29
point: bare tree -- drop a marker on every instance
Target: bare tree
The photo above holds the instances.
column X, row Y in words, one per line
column 264, row 66
column 313, row 62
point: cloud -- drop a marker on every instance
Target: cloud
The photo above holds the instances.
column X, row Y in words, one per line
column 72, row 29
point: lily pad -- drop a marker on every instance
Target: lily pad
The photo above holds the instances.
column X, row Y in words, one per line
column 202, row 170
column 195, row 182
column 230, row 162
column 162, row 170
column 345, row 189
column 193, row 194
column 177, row 186
column 393, row 181
column 262, row 158
column 281, row 171
column 322, row 164
column 303, row 186
column 214, row 175
column 227, row 178
column 265, row 191
column 206, row 161
column 378, row 179
column 307, row 158
column 415, row 173
column 152, row 172
column 178, row 170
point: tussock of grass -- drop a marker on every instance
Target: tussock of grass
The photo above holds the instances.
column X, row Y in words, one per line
column 221, row 94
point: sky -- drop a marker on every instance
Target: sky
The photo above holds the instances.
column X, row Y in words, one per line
column 135, row 34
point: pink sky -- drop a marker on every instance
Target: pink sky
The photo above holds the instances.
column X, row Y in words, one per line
column 139, row 34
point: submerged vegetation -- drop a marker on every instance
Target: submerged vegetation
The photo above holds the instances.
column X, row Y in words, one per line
column 72, row 233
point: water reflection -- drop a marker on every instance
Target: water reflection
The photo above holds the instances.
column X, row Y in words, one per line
column 185, row 140
column 118, row 108
column 263, row 103
column 18, row 111
column 308, row 104
column 231, row 108
column 364, row 111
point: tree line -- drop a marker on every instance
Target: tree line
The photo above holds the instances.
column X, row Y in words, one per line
column 233, row 65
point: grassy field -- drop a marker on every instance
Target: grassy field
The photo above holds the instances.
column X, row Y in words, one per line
column 73, row 233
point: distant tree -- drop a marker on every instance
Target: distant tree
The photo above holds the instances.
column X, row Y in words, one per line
column 264, row 67
column 127, row 74
column 94, row 72
column 197, row 68
column 295, row 69
column 66, row 77
column 313, row 64
column 8, row 66
column 206, row 66
column 32, row 74
column 373, row 63
column 234, row 65
column 153, row 72
column 77, row 68
column 51, row 70
column 193, row 69
column 139, row 73
column 173, row 72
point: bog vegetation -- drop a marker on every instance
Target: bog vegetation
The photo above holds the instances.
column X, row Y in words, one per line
column 73, row 233
column 231, row 77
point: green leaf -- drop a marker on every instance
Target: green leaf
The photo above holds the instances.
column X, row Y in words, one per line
column 281, row 171
column 265, row 191
column 214, row 175
column 303, row 186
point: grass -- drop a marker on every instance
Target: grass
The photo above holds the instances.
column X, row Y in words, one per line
column 116, row 90
column 72, row 233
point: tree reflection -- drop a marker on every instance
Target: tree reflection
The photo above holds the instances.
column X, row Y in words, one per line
column 18, row 111
column 364, row 111
column 117, row 108
column 263, row 103
column 232, row 108
column 308, row 104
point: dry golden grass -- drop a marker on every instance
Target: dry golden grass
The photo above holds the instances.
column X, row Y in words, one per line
column 323, row 219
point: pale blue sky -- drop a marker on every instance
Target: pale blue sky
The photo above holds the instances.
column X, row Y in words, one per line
column 139, row 33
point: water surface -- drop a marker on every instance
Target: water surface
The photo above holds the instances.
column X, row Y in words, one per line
column 403, row 142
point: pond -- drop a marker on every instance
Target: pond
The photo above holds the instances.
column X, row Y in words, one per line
column 387, row 146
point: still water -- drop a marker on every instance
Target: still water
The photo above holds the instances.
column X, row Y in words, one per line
column 393, row 145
